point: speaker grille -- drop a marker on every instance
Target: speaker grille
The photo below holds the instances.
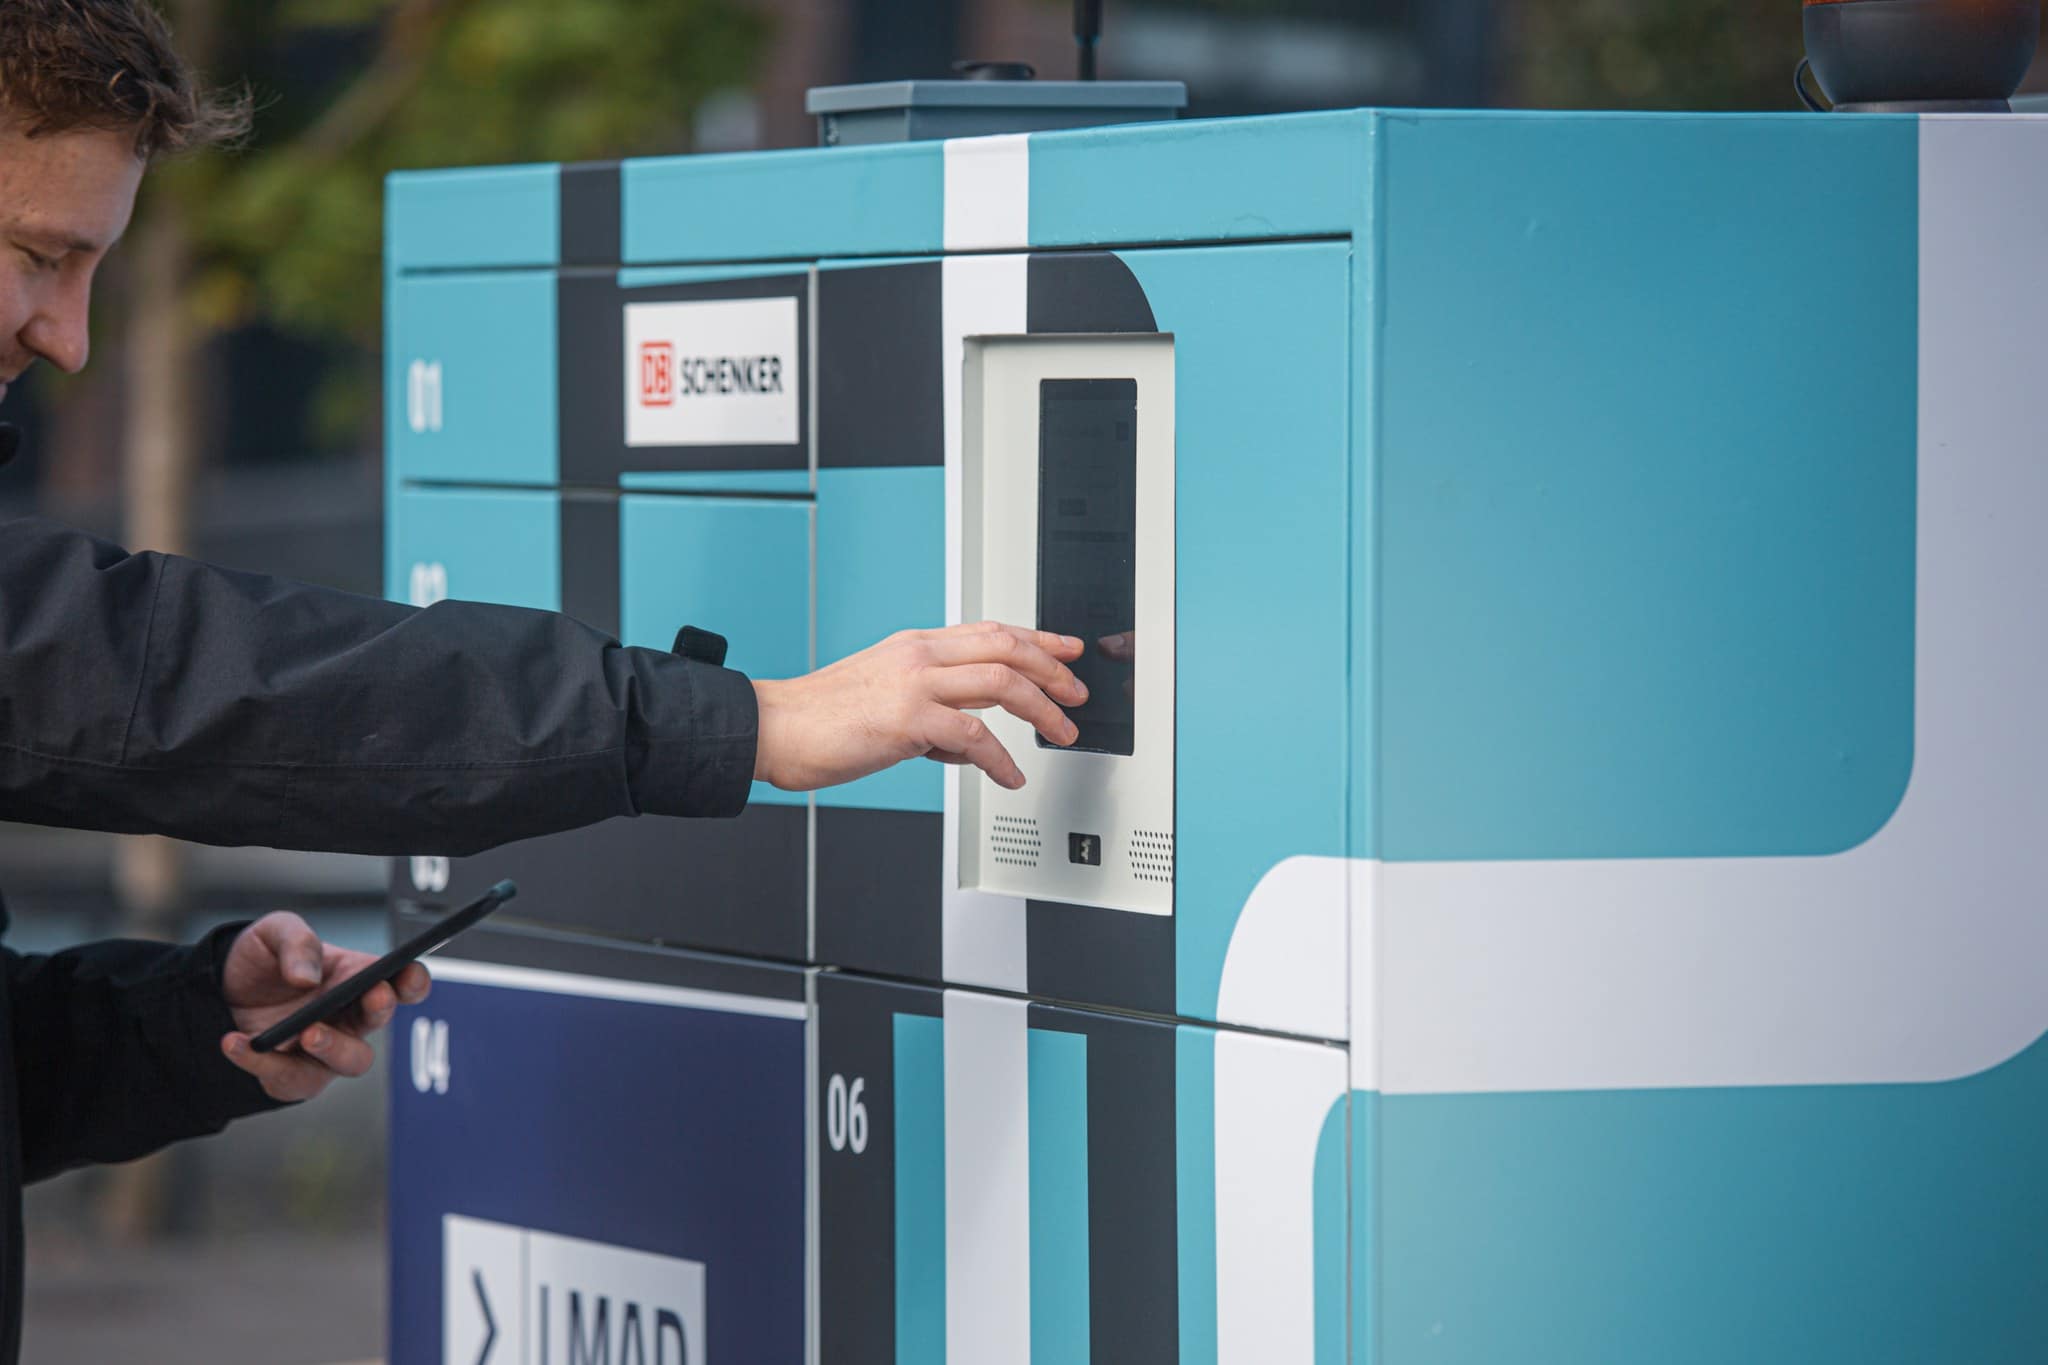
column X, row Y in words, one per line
column 1014, row 841
column 1151, row 855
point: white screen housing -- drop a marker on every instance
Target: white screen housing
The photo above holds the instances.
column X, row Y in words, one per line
column 1050, row 417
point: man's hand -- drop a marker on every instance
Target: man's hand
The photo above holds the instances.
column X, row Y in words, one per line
column 278, row 964
column 908, row 696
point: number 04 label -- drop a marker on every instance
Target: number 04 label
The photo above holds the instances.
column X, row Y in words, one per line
column 430, row 1055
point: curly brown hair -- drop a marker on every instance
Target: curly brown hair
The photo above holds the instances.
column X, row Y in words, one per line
column 92, row 65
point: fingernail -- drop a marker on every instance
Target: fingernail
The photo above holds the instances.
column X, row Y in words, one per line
column 314, row 1038
column 237, row 1046
column 1073, row 732
column 1071, row 641
column 1081, row 689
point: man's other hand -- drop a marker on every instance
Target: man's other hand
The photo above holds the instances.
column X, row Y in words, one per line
column 909, row 696
column 276, row 965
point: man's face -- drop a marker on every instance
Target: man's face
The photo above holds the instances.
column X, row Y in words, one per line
column 64, row 201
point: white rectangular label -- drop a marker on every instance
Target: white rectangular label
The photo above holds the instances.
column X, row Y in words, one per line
column 720, row 372
column 514, row 1296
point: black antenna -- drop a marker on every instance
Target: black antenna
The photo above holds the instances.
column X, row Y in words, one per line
column 1087, row 30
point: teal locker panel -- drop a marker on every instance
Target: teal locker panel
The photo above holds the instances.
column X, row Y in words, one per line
column 1261, row 476
column 480, row 545
column 473, row 216
column 1202, row 180
column 472, row 375
column 881, row 569
column 1646, row 553
column 1825, row 1225
column 737, row 566
column 828, row 201
column 786, row 481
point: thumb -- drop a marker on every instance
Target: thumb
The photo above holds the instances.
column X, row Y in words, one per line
column 295, row 946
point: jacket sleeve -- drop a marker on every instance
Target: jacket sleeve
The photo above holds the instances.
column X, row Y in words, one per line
column 146, row 692
column 117, row 1050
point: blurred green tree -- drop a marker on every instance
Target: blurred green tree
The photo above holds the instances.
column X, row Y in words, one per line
column 1652, row 54
column 288, row 230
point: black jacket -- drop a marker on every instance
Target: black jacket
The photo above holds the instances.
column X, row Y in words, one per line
column 151, row 693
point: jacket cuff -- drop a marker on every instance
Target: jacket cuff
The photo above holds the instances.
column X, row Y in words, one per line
column 703, row 766
column 217, row 1090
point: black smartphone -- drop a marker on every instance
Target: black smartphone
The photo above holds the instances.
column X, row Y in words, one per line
column 330, row 1003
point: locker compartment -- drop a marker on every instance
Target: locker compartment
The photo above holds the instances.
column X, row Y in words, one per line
column 1008, row 1181
column 914, row 877
column 471, row 378
column 475, row 545
column 472, row 216
column 597, row 1151
column 881, row 569
column 737, row 566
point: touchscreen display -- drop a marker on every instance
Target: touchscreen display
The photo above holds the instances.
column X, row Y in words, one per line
column 1087, row 529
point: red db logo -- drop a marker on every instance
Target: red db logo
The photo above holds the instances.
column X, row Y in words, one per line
column 657, row 374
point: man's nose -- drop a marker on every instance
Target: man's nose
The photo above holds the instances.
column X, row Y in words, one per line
column 58, row 331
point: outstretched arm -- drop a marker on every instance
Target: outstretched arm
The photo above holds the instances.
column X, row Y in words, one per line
column 149, row 692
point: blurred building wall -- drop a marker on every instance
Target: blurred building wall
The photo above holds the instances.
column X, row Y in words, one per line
column 1237, row 58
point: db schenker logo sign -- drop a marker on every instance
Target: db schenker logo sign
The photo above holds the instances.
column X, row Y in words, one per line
column 719, row 372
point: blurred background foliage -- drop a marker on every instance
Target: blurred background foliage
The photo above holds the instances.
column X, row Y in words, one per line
column 288, row 230
column 1654, row 54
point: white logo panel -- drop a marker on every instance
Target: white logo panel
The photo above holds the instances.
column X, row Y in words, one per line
column 514, row 1296
column 719, row 372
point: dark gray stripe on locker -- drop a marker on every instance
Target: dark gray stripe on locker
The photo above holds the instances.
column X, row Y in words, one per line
column 590, row 213
column 1080, row 953
column 512, row 945
column 1133, row 1199
column 1095, row 956
column 878, row 891
column 590, row 559
column 857, row 1190
column 1087, row 291
column 590, row 376
column 734, row 886
column 591, row 372
column 881, row 379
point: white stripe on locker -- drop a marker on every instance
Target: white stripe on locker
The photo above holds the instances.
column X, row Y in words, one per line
column 988, row 1181
column 988, row 193
column 983, row 934
column 1272, row 1097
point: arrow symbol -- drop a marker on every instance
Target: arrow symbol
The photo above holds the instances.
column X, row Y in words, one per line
column 476, row 1277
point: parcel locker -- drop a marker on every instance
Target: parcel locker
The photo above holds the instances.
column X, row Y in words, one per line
column 1562, row 893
